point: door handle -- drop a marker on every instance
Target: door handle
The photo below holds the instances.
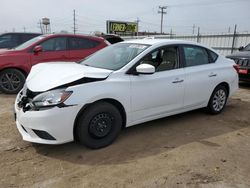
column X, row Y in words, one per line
column 177, row 81
column 212, row 75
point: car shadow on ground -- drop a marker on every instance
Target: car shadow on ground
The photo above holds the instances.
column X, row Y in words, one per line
column 156, row 137
column 244, row 85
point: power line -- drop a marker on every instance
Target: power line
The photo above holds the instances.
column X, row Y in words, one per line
column 162, row 12
column 203, row 3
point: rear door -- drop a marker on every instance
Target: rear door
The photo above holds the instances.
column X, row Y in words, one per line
column 80, row 47
column 201, row 75
column 53, row 50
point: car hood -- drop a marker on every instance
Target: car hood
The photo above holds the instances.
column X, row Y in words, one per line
column 240, row 54
column 46, row 76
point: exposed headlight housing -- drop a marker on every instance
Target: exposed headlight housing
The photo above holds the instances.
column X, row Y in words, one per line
column 51, row 98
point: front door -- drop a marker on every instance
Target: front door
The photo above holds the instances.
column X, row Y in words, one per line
column 158, row 94
column 53, row 50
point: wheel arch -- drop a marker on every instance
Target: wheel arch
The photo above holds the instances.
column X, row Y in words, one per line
column 17, row 68
column 114, row 102
column 209, row 109
column 226, row 85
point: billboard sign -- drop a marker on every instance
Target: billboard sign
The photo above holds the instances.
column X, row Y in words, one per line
column 118, row 27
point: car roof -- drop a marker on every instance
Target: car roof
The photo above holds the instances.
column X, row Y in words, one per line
column 152, row 41
column 20, row 33
column 72, row 35
column 156, row 42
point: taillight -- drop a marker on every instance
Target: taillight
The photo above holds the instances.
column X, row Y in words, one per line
column 236, row 67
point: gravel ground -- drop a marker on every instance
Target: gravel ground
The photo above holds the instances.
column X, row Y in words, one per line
column 193, row 149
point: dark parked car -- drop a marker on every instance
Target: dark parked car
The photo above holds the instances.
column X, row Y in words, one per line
column 15, row 64
column 111, row 38
column 12, row 40
column 242, row 58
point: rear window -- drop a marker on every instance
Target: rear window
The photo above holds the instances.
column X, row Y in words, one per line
column 82, row 43
column 213, row 56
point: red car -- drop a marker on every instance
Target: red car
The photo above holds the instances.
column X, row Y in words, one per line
column 15, row 64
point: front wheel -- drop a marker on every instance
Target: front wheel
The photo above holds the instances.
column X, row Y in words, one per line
column 218, row 100
column 11, row 81
column 99, row 125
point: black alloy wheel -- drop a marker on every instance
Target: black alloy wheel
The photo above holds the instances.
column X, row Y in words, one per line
column 11, row 81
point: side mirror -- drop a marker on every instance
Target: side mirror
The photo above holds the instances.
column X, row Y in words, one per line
column 145, row 69
column 37, row 49
column 241, row 48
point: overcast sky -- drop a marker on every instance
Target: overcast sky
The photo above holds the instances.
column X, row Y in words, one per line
column 212, row 16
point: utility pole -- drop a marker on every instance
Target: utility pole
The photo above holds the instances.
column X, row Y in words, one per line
column 234, row 36
column 24, row 29
column 137, row 21
column 198, row 35
column 162, row 11
column 74, row 20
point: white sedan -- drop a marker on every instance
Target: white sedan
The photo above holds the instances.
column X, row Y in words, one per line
column 119, row 86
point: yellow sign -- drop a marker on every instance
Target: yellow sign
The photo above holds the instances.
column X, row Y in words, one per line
column 122, row 27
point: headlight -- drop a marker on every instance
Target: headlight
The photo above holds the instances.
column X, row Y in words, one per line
column 51, row 98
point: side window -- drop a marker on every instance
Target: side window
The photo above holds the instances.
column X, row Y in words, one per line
column 82, row 43
column 213, row 56
column 54, row 44
column 195, row 55
column 163, row 59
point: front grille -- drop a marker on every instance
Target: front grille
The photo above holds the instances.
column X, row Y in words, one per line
column 25, row 99
column 30, row 94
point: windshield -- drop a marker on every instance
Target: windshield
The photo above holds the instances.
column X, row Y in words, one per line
column 115, row 56
column 29, row 42
column 247, row 48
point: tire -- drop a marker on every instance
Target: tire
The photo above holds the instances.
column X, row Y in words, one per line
column 11, row 81
column 99, row 125
column 218, row 100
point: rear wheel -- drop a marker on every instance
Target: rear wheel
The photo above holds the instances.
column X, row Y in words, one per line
column 11, row 81
column 99, row 125
column 218, row 100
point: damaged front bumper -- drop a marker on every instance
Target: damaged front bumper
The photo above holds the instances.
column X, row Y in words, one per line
column 47, row 126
